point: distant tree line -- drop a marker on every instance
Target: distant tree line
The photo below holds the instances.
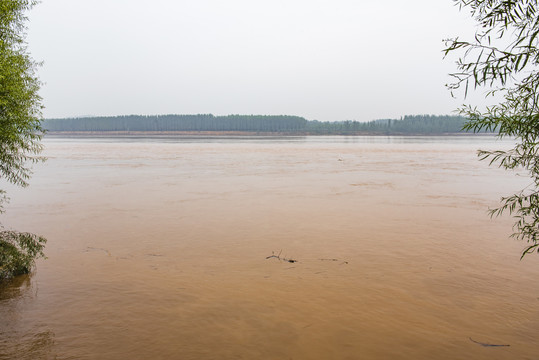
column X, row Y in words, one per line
column 417, row 124
column 407, row 125
column 200, row 122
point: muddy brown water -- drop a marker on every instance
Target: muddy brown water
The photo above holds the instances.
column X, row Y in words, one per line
column 157, row 250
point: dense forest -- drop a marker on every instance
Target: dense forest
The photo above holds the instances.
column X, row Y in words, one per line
column 417, row 124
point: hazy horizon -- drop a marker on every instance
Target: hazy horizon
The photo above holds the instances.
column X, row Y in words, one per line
column 269, row 115
column 327, row 61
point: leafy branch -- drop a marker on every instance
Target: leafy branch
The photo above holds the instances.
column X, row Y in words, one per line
column 505, row 54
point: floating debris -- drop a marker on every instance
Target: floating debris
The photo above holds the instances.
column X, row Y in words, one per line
column 486, row 344
column 278, row 257
column 89, row 248
column 342, row 263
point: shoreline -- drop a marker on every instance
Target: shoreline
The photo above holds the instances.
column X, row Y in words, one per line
column 244, row 133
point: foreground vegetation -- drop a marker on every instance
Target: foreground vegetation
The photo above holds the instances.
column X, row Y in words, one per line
column 18, row 252
column 418, row 124
column 20, row 130
column 504, row 58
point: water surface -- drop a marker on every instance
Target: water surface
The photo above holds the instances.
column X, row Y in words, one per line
column 157, row 250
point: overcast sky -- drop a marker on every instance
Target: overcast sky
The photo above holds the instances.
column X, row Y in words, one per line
column 320, row 59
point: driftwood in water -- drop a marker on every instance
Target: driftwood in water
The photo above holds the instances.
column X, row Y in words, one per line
column 278, row 257
column 344, row 262
column 89, row 248
column 486, row 344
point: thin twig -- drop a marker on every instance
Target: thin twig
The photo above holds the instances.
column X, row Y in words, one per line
column 278, row 257
column 486, row 344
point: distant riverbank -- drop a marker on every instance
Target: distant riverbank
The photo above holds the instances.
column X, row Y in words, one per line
column 252, row 125
column 244, row 133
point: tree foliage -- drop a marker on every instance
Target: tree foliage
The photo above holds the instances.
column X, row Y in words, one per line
column 20, row 129
column 198, row 122
column 20, row 103
column 417, row 124
column 503, row 57
column 18, row 252
column 407, row 125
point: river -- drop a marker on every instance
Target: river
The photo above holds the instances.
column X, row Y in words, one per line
column 158, row 249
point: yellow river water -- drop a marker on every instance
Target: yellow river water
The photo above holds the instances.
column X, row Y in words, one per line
column 157, row 249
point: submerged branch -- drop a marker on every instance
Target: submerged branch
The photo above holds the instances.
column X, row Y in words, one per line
column 486, row 344
column 278, row 257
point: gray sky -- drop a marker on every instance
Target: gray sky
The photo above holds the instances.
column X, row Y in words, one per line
column 321, row 59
